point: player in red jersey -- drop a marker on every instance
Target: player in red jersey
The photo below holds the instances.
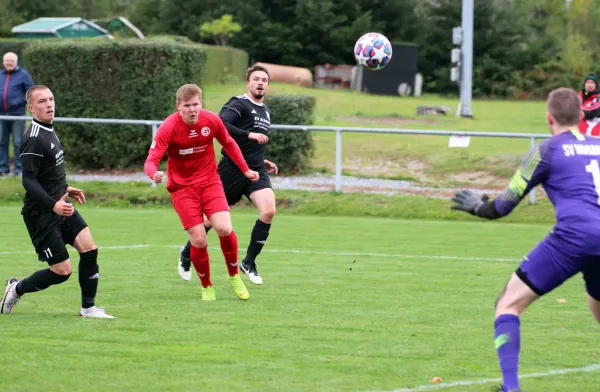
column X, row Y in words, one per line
column 590, row 105
column 194, row 183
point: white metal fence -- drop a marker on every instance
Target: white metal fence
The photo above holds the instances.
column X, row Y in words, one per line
column 338, row 135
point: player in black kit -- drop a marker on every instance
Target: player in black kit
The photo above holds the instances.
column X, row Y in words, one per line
column 50, row 218
column 248, row 120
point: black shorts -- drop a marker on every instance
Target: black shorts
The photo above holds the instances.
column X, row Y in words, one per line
column 237, row 185
column 50, row 232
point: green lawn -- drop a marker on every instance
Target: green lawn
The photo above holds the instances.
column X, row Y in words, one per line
column 339, row 107
column 141, row 195
column 348, row 304
column 424, row 158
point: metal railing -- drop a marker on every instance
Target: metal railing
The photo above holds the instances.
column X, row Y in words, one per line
column 338, row 135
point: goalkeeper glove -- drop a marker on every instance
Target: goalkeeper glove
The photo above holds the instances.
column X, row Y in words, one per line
column 468, row 201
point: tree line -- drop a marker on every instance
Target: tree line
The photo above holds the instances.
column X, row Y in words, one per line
column 522, row 48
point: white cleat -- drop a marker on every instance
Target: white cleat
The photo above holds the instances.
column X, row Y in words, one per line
column 10, row 297
column 252, row 273
column 95, row 312
column 184, row 267
column 254, row 276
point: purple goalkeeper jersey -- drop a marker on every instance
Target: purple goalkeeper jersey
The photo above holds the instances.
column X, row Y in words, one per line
column 567, row 166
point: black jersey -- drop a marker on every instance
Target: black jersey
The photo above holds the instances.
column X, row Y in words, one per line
column 250, row 116
column 44, row 174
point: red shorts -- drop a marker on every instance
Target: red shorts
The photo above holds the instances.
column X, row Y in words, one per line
column 194, row 201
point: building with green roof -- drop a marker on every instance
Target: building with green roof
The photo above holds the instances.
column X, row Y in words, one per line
column 59, row 28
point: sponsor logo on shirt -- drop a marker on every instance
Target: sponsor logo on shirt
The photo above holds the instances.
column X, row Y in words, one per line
column 262, row 120
column 59, row 157
column 193, row 133
column 193, row 150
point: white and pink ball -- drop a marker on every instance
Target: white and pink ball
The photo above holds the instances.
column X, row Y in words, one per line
column 373, row 51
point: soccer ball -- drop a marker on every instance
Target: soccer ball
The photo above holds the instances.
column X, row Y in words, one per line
column 373, row 51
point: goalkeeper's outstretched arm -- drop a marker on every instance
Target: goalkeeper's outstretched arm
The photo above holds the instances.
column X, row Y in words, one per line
column 533, row 171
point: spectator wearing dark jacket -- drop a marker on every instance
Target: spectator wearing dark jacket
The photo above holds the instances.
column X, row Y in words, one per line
column 590, row 105
column 14, row 83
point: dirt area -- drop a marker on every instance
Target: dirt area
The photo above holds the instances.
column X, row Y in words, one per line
column 416, row 170
column 478, row 178
column 384, row 167
column 409, row 170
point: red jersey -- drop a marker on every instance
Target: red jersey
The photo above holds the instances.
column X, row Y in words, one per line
column 590, row 105
column 190, row 151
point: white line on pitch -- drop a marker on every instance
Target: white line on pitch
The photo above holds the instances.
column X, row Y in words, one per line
column 330, row 253
column 307, row 251
column 386, row 255
column 549, row 373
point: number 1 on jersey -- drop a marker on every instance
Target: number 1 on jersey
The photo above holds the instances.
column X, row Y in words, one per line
column 594, row 169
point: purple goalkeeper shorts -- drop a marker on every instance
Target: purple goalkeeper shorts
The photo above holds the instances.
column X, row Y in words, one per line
column 552, row 262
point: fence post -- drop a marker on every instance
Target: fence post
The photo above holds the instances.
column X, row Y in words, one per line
column 154, row 130
column 338, row 160
column 532, row 193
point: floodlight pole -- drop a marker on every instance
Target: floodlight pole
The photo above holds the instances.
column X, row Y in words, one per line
column 466, row 80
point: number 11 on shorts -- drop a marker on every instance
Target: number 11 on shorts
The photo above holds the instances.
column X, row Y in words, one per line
column 48, row 252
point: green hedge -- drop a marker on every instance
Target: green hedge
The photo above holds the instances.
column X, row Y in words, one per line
column 170, row 37
column 224, row 64
column 130, row 79
column 18, row 46
column 291, row 150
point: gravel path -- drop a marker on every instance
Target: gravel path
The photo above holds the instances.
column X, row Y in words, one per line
column 314, row 183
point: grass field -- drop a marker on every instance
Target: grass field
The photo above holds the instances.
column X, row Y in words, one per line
column 423, row 158
column 348, row 304
column 290, row 202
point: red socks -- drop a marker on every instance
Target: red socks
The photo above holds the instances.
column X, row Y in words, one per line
column 201, row 264
column 229, row 246
column 199, row 256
